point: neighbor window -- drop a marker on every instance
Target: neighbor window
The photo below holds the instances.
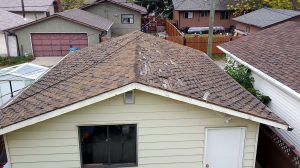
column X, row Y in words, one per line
column 204, row 13
column 188, row 15
column 110, row 145
column 225, row 15
column 127, row 19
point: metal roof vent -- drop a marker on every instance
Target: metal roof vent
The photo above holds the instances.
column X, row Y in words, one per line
column 129, row 97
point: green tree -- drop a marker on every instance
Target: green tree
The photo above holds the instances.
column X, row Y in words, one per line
column 72, row 4
column 244, row 6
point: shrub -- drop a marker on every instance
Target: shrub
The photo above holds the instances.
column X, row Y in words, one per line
column 8, row 61
column 243, row 76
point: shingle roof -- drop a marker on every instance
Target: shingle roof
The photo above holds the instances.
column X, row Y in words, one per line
column 87, row 18
column 9, row 20
column 132, row 58
column 196, row 5
column 123, row 3
column 274, row 51
column 78, row 16
column 30, row 5
column 266, row 17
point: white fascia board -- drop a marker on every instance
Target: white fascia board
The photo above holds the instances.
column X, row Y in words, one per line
column 140, row 87
column 275, row 82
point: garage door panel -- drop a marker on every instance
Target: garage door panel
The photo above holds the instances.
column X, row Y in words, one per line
column 57, row 44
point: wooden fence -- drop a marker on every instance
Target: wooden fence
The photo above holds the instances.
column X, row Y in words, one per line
column 200, row 43
column 196, row 42
column 172, row 30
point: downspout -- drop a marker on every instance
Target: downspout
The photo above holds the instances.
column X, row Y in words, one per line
column 6, row 43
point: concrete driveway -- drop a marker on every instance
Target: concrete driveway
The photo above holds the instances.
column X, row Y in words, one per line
column 46, row 61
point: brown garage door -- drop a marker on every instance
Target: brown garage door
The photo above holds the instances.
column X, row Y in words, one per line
column 57, row 44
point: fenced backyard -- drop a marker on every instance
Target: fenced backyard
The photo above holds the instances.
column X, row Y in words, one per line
column 196, row 42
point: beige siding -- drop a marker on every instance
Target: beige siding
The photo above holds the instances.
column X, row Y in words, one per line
column 171, row 134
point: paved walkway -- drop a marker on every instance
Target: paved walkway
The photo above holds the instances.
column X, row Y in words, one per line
column 46, row 61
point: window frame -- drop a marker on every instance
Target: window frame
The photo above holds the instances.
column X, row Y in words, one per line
column 204, row 13
column 136, row 164
column 124, row 15
column 188, row 14
column 227, row 13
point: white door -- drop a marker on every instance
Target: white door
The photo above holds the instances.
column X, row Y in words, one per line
column 224, row 147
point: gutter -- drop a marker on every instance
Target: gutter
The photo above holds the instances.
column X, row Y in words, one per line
column 275, row 82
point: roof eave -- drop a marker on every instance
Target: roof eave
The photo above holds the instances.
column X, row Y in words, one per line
column 52, row 16
column 275, row 82
column 142, row 87
column 100, row 1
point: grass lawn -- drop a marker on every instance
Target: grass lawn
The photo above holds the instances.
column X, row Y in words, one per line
column 219, row 57
column 9, row 61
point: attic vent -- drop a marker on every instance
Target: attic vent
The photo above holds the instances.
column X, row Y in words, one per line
column 129, row 97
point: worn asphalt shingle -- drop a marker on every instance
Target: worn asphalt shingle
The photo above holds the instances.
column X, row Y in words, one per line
column 132, row 58
column 266, row 17
column 274, row 51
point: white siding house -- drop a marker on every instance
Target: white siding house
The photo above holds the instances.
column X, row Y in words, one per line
column 284, row 104
column 273, row 57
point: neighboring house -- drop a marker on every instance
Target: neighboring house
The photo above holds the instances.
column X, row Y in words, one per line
column 8, row 44
column 273, row 57
column 127, row 17
column 14, row 79
column 54, row 35
column 263, row 18
column 34, row 9
column 195, row 13
column 135, row 100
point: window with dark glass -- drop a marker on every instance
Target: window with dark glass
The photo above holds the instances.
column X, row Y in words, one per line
column 127, row 19
column 111, row 145
column 188, row 15
column 225, row 15
column 204, row 13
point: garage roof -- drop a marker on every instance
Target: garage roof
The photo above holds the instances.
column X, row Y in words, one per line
column 78, row 16
column 135, row 58
column 123, row 3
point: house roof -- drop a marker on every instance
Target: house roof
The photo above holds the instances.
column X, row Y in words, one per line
column 274, row 51
column 133, row 58
column 30, row 5
column 123, row 3
column 9, row 20
column 266, row 17
column 77, row 16
column 196, row 5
